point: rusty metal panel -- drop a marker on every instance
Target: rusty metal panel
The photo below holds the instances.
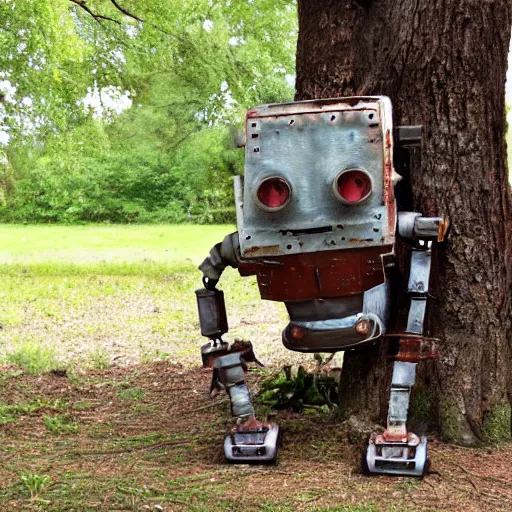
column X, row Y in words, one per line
column 317, row 275
column 308, row 144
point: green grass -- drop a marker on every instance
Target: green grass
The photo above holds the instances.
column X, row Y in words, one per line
column 78, row 297
column 60, row 424
column 116, row 244
column 98, row 358
column 9, row 413
column 33, row 357
column 131, row 394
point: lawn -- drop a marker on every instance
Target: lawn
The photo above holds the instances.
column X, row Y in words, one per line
column 177, row 245
column 97, row 296
column 104, row 407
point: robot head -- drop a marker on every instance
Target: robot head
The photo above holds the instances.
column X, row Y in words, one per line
column 318, row 177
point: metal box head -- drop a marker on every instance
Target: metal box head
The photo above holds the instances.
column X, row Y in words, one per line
column 318, row 177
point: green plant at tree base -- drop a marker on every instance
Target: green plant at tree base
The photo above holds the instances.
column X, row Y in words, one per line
column 497, row 425
column 301, row 392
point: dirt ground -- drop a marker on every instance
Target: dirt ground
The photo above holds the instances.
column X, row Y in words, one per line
column 150, row 438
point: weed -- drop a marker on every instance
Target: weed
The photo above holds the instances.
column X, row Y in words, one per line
column 5, row 415
column 131, row 394
column 10, row 412
column 35, row 483
column 99, row 359
column 33, row 357
column 60, row 424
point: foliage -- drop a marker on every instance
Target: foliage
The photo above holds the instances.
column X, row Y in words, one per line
column 183, row 72
column 305, row 390
column 126, row 184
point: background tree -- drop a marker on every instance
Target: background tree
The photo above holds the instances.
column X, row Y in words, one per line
column 443, row 65
column 119, row 110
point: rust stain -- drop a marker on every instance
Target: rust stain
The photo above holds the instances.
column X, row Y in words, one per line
column 270, row 249
column 444, row 226
column 388, row 170
column 414, row 347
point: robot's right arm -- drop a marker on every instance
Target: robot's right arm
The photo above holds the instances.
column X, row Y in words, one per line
column 210, row 300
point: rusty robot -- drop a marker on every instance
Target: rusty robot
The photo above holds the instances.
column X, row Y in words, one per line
column 317, row 223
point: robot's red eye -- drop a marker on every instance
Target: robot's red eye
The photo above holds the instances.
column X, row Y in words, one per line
column 273, row 193
column 353, row 186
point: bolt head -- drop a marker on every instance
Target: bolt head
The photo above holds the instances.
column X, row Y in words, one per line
column 363, row 327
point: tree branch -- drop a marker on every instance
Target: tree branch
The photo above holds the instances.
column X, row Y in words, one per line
column 156, row 27
column 125, row 12
column 98, row 17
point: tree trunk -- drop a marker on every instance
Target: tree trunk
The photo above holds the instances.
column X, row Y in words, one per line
column 443, row 64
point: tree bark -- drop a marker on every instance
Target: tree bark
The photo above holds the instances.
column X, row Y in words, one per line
column 443, row 64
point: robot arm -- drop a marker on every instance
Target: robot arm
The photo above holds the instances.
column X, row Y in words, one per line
column 222, row 255
column 413, row 226
column 250, row 440
column 210, row 301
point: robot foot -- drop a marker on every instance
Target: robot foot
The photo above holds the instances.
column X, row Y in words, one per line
column 397, row 458
column 252, row 443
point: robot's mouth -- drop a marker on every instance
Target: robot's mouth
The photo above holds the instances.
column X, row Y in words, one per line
column 308, row 231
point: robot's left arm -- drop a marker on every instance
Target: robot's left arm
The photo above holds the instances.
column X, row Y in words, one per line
column 413, row 226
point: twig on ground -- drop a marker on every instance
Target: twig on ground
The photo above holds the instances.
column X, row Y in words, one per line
column 476, row 475
column 127, row 450
column 204, row 407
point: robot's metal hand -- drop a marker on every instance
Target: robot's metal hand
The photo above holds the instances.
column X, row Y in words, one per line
column 209, row 283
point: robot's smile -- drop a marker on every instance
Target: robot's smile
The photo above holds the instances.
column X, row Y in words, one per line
column 334, row 334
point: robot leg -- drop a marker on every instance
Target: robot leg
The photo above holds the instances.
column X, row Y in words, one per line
column 397, row 451
column 250, row 440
